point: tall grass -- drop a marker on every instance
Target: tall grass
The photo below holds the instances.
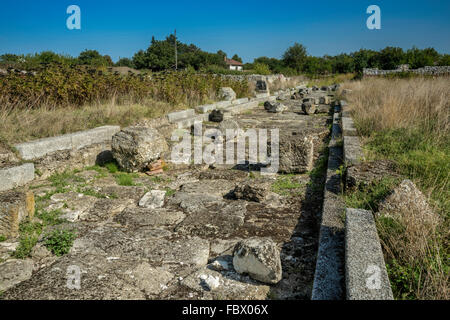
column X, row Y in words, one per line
column 408, row 121
column 59, row 99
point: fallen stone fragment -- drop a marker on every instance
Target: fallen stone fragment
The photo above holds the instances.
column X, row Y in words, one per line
column 259, row 258
column 365, row 173
column 325, row 100
column 227, row 94
column 216, row 116
column 138, row 217
column 210, row 281
column 308, row 108
column 220, row 265
column 153, row 199
column 323, row 109
column 135, row 147
column 233, row 286
column 408, row 199
column 13, row 272
column 274, row 107
column 297, row 96
column 251, row 191
column 15, row 206
column 296, row 152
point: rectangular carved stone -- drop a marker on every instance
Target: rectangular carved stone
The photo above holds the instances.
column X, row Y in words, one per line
column 365, row 270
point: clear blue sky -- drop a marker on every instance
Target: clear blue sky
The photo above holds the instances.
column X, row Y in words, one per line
column 251, row 28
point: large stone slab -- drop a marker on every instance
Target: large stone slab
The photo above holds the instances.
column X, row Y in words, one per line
column 13, row 177
column 296, row 152
column 348, row 127
column 259, row 258
column 188, row 122
column 365, row 270
column 13, row 272
column 135, row 147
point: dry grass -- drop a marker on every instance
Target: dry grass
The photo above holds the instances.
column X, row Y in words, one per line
column 19, row 125
column 330, row 79
column 407, row 120
column 379, row 104
column 291, row 83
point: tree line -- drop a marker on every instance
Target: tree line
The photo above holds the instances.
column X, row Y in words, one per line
column 160, row 56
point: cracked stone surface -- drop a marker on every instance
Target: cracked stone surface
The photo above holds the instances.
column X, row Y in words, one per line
column 183, row 247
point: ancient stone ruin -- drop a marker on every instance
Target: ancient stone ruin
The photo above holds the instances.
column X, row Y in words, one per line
column 165, row 229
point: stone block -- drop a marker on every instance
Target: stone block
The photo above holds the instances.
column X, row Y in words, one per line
column 15, row 206
column 14, row 177
column 175, row 116
column 365, row 269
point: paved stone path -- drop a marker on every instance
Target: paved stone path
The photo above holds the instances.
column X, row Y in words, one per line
column 126, row 251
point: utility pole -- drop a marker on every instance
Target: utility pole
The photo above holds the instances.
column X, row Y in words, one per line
column 176, row 53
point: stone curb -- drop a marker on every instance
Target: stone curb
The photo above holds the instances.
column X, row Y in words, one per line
column 73, row 141
column 175, row 116
column 365, row 269
column 329, row 275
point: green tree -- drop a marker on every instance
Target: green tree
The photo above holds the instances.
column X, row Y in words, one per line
column 237, row 58
column 391, row 57
column 343, row 63
column 125, row 62
column 444, row 60
column 295, row 57
column 94, row 58
column 261, row 68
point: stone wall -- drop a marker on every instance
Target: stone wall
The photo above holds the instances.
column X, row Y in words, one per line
column 429, row 70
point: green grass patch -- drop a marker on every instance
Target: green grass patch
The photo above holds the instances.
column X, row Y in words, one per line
column 286, row 185
column 418, row 156
column 112, row 167
column 59, row 242
column 50, row 218
column 64, row 179
column 125, row 179
column 424, row 157
column 170, row 192
column 91, row 192
column 370, row 197
column 2, row 238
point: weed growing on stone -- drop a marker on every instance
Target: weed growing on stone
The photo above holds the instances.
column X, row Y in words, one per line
column 50, row 218
column 170, row 192
column 369, row 197
column 61, row 180
column 59, row 242
column 2, row 238
column 29, row 234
